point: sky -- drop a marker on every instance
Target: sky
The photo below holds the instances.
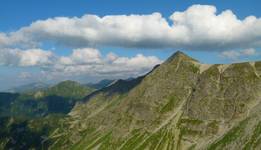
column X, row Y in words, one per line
column 86, row 41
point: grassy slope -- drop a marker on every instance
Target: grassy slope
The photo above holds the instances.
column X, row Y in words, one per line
column 174, row 107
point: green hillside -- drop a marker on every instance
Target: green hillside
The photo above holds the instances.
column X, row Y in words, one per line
column 68, row 89
column 59, row 98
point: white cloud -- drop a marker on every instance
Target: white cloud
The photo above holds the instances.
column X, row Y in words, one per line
column 139, row 61
column 3, row 39
column 234, row 55
column 90, row 62
column 86, row 55
column 35, row 57
column 111, row 57
column 30, row 57
column 86, row 61
column 197, row 28
column 82, row 56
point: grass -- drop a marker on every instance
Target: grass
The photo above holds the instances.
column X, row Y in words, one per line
column 159, row 140
column 170, row 105
column 133, row 141
column 255, row 138
column 191, row 121
column 230, row 136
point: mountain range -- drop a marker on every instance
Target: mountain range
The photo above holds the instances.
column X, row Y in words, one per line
column 180, row 104
column 59, row 98
column 32, row 87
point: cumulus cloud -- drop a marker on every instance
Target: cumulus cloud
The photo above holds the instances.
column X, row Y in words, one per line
column 3, row 39
column 199, row 27
column 90, row 62
column 82, row 56
column 24, row 58
column 235, row 55
column 85, row 61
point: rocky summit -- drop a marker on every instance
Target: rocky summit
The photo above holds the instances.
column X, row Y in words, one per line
column 180, row 104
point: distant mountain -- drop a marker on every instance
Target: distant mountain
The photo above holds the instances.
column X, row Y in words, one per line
column 59, row 98
column 101, row 84
column 180, row 104
column 69, row 89
column 32, row 87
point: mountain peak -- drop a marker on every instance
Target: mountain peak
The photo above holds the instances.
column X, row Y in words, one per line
column 180, row 55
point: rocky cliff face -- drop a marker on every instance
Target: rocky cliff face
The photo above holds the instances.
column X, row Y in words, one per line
column 180, row 104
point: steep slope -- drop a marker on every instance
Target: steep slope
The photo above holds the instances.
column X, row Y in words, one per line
column 181, row 104
column 146, row 109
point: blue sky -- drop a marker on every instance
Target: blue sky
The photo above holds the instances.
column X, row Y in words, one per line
column 15, row 14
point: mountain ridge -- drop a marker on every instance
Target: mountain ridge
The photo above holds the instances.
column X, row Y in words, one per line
column 179, row 101
column 180, row 104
